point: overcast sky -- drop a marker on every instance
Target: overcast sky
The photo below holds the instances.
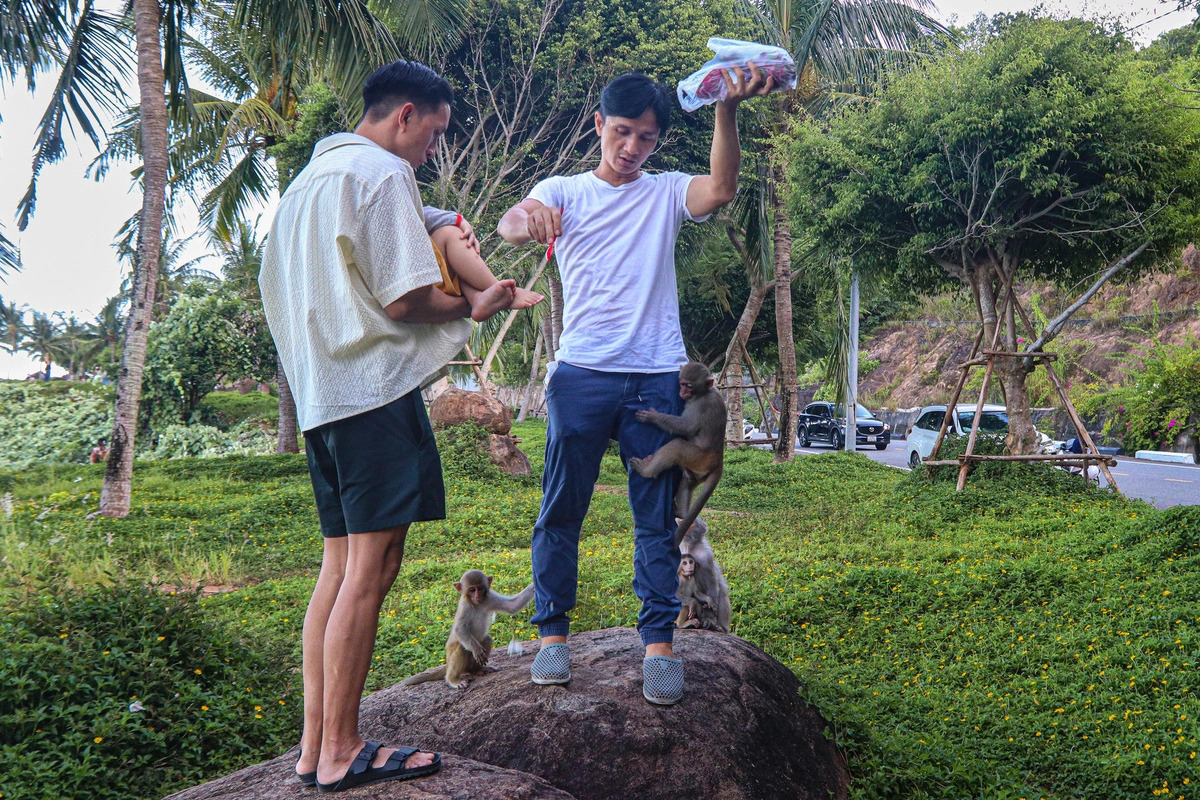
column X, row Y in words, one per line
column 70, row 266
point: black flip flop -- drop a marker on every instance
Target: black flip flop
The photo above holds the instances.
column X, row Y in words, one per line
column 362, row 773
column 306, row 778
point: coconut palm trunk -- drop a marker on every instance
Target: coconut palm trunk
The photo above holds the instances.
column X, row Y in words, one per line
column 118, row 477
column 286, row 441
column 533, row 373
column 785, row 447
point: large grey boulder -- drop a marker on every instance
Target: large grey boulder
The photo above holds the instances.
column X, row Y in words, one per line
column 741, row 732
column 458, row 779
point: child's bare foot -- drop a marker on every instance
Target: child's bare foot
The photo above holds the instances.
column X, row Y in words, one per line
column 493, row 299
column 523, row 298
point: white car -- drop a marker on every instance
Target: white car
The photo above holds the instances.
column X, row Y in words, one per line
column 994, row 422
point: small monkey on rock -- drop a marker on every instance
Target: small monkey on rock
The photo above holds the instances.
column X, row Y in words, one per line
column 702, row 587
column 700, row 449
column 470, row 645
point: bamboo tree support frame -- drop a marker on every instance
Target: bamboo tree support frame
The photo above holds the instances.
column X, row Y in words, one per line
column 758, row 386
column 1090, row 452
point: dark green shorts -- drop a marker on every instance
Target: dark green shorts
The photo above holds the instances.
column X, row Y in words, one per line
column 376, row 470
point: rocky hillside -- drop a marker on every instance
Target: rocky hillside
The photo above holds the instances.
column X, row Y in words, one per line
column 918, row 357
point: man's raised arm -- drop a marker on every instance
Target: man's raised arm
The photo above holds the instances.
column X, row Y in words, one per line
column 707, row 193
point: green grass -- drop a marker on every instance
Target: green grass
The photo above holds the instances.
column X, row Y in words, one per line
column 1023, row 638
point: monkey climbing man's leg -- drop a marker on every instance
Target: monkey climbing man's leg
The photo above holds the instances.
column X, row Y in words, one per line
column 671, row 454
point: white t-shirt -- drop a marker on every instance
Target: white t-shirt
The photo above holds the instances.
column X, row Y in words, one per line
column 616, row 256
column 348, row 239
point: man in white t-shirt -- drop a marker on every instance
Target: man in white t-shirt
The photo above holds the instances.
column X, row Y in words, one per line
column 614, row 231
column 349, row 285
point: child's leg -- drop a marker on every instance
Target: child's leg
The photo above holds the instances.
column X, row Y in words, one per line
column 471, row 270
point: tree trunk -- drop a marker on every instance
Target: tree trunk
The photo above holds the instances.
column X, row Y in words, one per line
column 548, row 338
column 286, row 441
column 734, row 354
column 118, row 475
column 1009, row 372
column 556, row 308
column 533, row 373
column 785, row 447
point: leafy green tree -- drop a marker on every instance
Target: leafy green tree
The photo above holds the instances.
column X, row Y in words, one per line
column 1042, row 149
column 209, row 337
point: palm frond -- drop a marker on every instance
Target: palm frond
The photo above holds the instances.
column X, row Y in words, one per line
column 249, row 180
column 94, row 64
column 10, row 255
column 30, row 34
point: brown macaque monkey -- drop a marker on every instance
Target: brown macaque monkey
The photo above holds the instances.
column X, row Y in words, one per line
column 469, row 645
column 700, row 449
column 702, row 587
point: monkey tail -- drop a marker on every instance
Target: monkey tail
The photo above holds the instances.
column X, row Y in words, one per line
column 435, row 674
column 701, row 497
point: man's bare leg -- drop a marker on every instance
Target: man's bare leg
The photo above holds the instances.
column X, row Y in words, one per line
column 372, row 562
column 329, row 580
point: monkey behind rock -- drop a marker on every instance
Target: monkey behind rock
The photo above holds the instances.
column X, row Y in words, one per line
column 470, row 645
column 699, row 449
column 702, row 587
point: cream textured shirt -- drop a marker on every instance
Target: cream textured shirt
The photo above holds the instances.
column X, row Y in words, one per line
column 347, row 240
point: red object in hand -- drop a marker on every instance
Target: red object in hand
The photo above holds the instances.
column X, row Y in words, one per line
column 553, row 239
column 458, row 221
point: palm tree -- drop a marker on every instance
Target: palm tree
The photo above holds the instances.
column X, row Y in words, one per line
column 108, row 327
column 838, row 45
column 73, row 344
column 12, row 326
column 41, row 340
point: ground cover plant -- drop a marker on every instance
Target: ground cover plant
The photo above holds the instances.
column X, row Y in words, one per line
column 1027, row 637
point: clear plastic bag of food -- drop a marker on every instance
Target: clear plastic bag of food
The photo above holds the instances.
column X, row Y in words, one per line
column 706, row 85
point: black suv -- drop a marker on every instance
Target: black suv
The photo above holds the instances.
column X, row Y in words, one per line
column 826, row 422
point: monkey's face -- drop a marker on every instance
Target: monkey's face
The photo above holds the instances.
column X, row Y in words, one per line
column 687, row 567
column 476, row 593
column 694, row 379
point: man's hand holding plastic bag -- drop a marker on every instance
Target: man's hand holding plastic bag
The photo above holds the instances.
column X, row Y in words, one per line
column 739, row 70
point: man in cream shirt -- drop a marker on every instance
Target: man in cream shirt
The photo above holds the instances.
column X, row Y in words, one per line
column 349, row 287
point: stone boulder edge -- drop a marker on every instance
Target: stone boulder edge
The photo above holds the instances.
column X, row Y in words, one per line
column 505, row 454
column 458, row 779
column 741, row 732
column 456, row 406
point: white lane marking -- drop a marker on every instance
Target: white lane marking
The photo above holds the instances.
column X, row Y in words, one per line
column 1177, row 480
column 1120, row 474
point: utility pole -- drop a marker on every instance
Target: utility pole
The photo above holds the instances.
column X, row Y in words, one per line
column 852, row 367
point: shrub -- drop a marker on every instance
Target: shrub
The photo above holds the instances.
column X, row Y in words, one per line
column 464, row 452
column 58, row 422
column 226, row 409
column 205, row 441
column 128, row 692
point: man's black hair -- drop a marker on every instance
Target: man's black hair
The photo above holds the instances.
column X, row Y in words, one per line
column 400, row 82
column 630, row 95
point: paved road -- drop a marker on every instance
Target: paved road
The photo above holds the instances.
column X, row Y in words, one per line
column 1161, row 485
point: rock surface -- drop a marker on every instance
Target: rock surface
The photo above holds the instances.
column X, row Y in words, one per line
column 455, row 406
column 458, row 779
column 741, row 732
column 505, row 454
